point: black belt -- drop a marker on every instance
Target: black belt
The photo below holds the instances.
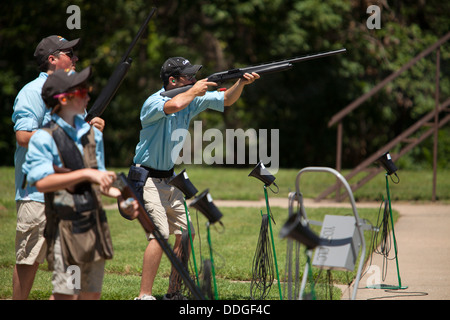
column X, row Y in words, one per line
column 153, row 173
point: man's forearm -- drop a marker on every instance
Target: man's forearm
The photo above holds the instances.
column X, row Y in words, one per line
column 233, row 93
column 179, row 102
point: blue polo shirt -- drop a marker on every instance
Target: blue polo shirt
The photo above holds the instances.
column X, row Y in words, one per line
column 155, row 145
column 30, row 114
column 43, row 154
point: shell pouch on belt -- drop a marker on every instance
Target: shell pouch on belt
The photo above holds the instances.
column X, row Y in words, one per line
column 137, row 177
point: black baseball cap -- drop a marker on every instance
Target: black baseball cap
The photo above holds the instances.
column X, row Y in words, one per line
column 51, row 45
column 177, row 66
column 61, row 81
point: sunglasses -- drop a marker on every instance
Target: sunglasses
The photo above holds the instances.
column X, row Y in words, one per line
column 80, row 93
column 69, row 53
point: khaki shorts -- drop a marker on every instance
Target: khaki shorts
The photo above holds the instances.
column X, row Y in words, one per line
column 165, row 204
column 31, row 246
column 71, row 280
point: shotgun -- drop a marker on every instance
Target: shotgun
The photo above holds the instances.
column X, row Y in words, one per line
column 146, row 222
column 117, row 77
column 271, row 67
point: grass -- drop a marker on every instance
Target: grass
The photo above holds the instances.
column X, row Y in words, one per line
column 234, row 246
column 234, row 184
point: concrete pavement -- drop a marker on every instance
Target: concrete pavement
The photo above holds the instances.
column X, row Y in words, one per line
column 423, row 242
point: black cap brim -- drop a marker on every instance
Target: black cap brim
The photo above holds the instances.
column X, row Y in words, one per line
column 193, row 69
column 62, row 81
column 70, row 44
column 81, row 77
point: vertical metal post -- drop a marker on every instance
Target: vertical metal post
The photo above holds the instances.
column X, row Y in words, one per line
column 339, row 158
column 436, row 122
column 191, row 240
column 273, row 243
column 213, row 271
column 393, row 235
column 387, row 286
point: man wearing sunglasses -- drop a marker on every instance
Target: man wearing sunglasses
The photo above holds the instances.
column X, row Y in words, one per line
column 153, row 162
column 30, row 113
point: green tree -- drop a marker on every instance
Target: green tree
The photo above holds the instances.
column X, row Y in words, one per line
column 225, row 34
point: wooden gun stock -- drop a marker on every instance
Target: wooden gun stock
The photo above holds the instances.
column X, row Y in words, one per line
column 128, row 192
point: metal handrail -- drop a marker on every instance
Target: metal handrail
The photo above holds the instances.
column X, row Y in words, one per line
column 338, row 117
column 349, row 108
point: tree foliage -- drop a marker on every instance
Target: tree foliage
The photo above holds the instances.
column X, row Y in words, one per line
column 224, row 34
